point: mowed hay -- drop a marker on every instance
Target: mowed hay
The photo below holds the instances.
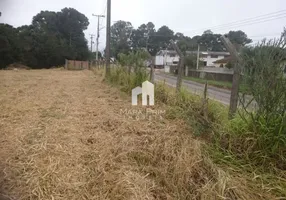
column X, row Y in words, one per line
column 63, row 137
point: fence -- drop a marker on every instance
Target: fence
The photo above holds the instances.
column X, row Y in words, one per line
column 216, row 76
column 76, row 65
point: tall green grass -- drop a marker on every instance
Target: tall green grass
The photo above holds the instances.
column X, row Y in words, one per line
column 120, row 76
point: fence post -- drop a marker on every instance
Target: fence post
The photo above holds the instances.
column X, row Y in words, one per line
column 236, row 76
column 187, row 71
column 181, row 65
column 66, row 64
column 205, row 101
column 152, row 72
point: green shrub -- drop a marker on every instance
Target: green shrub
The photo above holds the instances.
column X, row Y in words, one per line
column 265, row 123
column 131, row 72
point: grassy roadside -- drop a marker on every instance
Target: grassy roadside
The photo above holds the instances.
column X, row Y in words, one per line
column 241, row 177
column 219, row 84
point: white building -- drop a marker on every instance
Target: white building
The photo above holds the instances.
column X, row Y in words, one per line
column 209, row 57
column 168, row 58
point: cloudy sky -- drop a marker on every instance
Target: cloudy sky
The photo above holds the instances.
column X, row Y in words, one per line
column 190, row 17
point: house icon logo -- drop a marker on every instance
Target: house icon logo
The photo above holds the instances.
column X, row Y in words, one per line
column 147, row 90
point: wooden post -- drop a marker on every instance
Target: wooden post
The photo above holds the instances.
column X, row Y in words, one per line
column 205, row 101
column 180, row 66
column 108, row 27
column 152, row 72
column 66, row 64
column 236, row 76
column 187, row 71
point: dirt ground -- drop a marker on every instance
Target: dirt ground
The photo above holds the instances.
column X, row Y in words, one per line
column 62, row 136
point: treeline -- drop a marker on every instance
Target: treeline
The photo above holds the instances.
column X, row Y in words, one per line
column 125, row 38
column 55, row 36
column 48, row 41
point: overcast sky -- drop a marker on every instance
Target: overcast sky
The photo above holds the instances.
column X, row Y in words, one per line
column 190, row 17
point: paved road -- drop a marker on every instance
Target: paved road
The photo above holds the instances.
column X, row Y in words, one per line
column 218, row 94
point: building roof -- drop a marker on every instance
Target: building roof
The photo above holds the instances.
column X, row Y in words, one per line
column 223, row 61
column 164, row 52
column 219, row 53
column 222, row 53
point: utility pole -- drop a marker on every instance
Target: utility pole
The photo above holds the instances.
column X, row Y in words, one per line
column 107, row 49
column 98, row 35
column 91, row 41
column 181, row 65
column 236, row 76
column 198, row 57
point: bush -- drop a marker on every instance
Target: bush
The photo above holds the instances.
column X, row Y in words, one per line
column 229, row 65
column 131, row 72
column 258, row 133
column 191, row 61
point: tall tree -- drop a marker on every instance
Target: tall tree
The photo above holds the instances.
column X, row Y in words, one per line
column 239, row 38
column 142, row 37
column 211, row 42
column 121, row 33
column 163, row 37
column 9, row 51
column 48, row 41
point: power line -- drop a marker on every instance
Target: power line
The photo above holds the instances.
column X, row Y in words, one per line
column 248, row 20
column 274, row 34
column 250, row 23
column 240, row 21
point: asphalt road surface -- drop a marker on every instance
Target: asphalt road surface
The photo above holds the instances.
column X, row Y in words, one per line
column 218, row 94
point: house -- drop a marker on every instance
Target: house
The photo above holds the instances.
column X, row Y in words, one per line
column 222, row 62
column 210, row 57
column 168, row 58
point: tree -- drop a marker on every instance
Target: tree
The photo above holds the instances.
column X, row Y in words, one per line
column 48, row 41
column 121, row 33
column 211, row 42
column 187, row 44
column 163, row 37
column 191, row 61
column 9, row 51
column 179, row 36
column 46, row 22
column 141, row 36
column 71, row 25
column 208, row 32
column 151, row 44
column 92, row 55
column 238, row 38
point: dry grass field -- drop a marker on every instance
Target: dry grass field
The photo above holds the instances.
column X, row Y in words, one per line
column 62, row 137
